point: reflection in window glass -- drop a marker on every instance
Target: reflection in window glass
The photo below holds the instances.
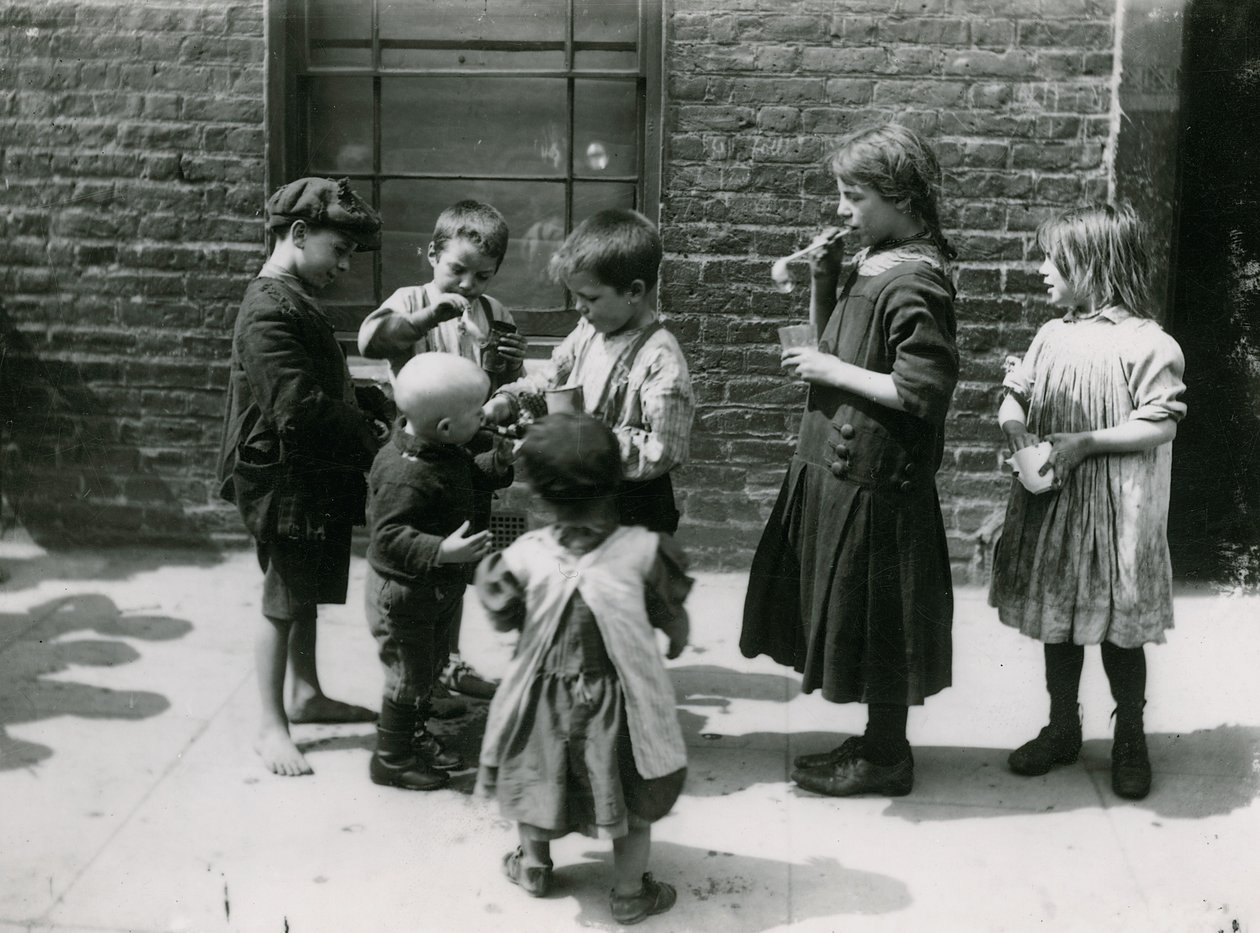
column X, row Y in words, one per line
column 518, row 20
column 589, row 197
column 339, row 124
column 340, row 32
column 605, row 127
column 510, row 126
column 535, row 215
column 606, row 20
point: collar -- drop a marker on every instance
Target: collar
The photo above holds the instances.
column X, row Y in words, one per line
column 1112, row 313
column 272, row 270
column 417, row 448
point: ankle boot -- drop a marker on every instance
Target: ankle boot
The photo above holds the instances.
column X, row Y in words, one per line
column 1130, row 764
column 394, row 763
column 429, row 748
column 1057, row 744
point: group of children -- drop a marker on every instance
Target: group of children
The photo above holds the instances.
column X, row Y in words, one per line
column 850, row 584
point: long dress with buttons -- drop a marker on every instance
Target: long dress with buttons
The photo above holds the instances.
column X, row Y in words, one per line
column 850, row 584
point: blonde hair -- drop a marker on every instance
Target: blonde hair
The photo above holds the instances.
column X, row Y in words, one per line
column 1101, row 251
column 898, row 165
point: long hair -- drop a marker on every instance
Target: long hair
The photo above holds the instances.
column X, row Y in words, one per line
column 1101, row 251
column 892, row 160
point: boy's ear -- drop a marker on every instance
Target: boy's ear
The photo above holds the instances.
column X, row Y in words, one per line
column 297, row 233
column 443, row 427
column 637, row 289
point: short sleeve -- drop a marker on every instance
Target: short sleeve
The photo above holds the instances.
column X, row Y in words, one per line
column 1156, row 377
column 500, row 593
column 919, row 316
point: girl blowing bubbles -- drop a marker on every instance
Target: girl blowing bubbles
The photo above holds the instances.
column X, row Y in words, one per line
column 583, row 733
column 1087, row 563
column 851, row 581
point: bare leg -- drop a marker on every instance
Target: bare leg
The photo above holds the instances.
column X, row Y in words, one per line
column 630, row 860
column 537, row 851
column 307, row 702
column 274, row 746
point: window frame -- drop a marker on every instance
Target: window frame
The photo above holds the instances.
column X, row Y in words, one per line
column 286, row 43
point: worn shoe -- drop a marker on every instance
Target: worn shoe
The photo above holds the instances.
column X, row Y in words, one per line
column 1054, row 745
column 432, row 751
column 535, row 879
column 411, row 774
column 856, row 775
column 847, row 749
column 1130, row 767
column 461, row 678
column 655, row 897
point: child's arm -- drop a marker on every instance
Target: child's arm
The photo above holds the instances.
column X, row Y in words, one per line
column 666, row 410
column 504, row 405
column 391, row 331
column 1068, row 450
column 666, row 591
column 1014, row 421
column 824, row 271
column 918, row 312
column 501, row 593
column 397, row 511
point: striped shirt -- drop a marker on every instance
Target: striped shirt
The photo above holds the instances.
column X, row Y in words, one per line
column 650, row 404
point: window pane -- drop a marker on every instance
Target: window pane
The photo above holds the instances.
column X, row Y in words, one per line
column 606, row 20
column 605, row 127
column 535, row 215
column 394, row 56
column 340, row 32
column 339, row 124
column 604, row 60
column 515, row 20
column 473, row 125
column 589, row 197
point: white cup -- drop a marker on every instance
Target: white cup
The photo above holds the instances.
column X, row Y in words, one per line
column 1027, row 462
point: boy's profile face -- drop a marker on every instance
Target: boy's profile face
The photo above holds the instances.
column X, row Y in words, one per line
column 462, row 268
column 607, row 309
column 322, row 254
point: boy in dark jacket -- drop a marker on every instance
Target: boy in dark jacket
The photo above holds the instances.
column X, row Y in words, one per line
column 422, row 515
column 295, row 446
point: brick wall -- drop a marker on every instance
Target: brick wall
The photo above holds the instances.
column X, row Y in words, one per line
column 132, row 153
column 132, row 147
column 1016, row 97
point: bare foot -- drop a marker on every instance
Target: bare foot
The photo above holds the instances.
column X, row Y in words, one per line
column 279, row 753
column 320, row 708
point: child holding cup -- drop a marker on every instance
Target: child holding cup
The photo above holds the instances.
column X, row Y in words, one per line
column 850, row 583
column 1086, row 563
column 628, row 370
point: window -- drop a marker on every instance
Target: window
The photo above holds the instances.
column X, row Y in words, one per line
column 547, row 109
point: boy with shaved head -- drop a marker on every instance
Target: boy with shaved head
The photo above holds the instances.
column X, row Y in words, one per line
column 422, row 496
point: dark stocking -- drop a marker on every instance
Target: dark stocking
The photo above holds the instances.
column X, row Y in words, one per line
column 1063, row 681
column 885, row 740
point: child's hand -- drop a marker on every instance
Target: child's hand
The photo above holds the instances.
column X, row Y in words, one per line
column 826, row 263
column 1018, row 436
column 676, row 645
column 812, row 365
column 1066, row 453
column 459, row 548
column 512, row 348
column 505, row 453
column 498, row 410
column 449, row 306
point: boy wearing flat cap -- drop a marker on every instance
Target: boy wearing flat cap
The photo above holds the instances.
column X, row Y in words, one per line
column 296, row 445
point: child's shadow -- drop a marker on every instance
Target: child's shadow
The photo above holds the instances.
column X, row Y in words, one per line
column 737, row 893
column 34, row 650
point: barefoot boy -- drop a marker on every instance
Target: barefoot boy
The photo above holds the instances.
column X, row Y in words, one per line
column 423, row 493
column 295, row 448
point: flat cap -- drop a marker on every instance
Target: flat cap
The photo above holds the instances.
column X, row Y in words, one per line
column 327, row 203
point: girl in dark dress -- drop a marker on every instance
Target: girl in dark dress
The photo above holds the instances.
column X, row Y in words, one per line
column 851, row 583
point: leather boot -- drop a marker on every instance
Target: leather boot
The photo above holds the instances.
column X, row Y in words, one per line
column 430, row 749
column 1130, row 764
column 394, row 763
column 1057, row 744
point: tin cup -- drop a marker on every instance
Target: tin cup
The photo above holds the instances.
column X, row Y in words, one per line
column 491, row 360
column 798, row 335
column 568, row 398
column 1026, row 463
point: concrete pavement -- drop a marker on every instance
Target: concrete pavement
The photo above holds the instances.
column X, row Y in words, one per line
column 130, row 799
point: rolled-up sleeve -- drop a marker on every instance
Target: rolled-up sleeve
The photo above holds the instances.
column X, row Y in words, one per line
column 1156, row 378
column 919, row 315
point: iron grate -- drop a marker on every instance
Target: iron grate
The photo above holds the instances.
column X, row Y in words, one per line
column 506, row 526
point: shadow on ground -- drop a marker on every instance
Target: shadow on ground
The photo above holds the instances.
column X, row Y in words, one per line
column 34, row 652
column 101, row 563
